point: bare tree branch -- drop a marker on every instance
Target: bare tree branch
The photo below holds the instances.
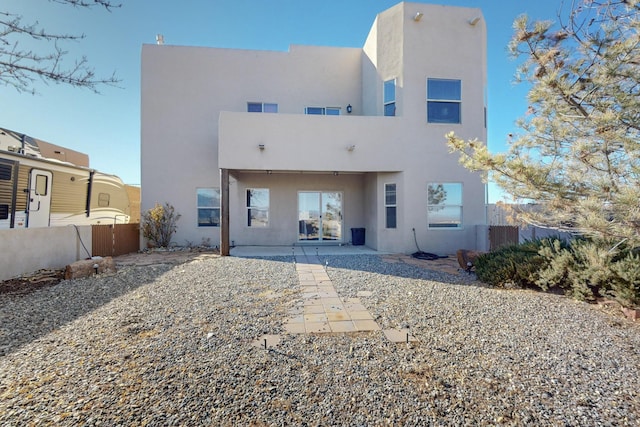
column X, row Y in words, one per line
column 22, row 68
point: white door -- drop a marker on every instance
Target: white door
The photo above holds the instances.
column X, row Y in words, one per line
column 39, row 198
column 320, row 216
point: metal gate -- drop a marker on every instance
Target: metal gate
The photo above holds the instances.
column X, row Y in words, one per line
column 114, row 240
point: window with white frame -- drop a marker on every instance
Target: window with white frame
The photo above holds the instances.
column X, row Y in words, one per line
column 444, row 205
column 390, row 206
column 389, row 97
column 257, row 207
column 262, row 107
column 208, row 205
column 323, row 111
column 444, row 101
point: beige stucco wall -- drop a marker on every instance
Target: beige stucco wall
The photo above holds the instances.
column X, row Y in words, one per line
column 283, row 213
column 194, row 122
column 31, row 249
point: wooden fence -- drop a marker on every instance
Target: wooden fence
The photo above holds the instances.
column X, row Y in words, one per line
column 501, row 235
column 114, row 240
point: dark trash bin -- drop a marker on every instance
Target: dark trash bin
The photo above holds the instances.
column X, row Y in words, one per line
column 357, row 236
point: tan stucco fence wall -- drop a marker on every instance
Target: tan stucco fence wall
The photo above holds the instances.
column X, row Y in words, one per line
column 24, row 251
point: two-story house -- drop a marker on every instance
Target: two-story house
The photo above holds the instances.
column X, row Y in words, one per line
column 322, row 145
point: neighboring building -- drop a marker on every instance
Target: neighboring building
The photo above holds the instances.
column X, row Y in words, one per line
column 318, row 141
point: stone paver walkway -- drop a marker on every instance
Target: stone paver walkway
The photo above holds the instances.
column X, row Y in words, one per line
column 323, row 310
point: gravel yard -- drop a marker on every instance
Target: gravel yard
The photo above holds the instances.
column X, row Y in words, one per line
column 175, row 344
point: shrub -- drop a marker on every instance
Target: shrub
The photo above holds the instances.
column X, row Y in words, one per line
column 584, row 268
column 159, row 224
column 513, row 265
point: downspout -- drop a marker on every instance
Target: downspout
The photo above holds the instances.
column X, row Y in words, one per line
column 89, row 187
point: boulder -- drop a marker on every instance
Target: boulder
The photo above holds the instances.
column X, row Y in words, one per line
column 89, row 267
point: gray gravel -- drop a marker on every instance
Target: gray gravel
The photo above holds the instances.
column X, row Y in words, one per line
column 175, row 345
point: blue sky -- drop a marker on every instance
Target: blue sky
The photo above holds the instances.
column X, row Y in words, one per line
column 107, row 126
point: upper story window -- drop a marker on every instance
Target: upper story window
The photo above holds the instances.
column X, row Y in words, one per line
column 208, row 205
column 443, row 101
column 389, row 97
column 262, row 107
column 323, row 111
column 444, row 205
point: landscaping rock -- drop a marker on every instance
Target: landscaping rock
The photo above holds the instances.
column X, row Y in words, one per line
column 89, row 267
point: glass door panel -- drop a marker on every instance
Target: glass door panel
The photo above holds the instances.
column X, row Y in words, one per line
column 331, row 216
column 308, row 216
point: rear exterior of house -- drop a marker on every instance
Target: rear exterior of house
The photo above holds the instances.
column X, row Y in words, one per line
column 322, row 145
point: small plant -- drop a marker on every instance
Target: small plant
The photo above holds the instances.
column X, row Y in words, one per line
column 159, row 224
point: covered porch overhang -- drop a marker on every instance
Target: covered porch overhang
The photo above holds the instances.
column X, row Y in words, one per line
column 303, row 149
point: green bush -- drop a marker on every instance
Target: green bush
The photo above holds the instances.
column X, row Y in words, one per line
column 159, row 224
column 586, row 269
column 582, row 268
column 625, row 287
column 513, row 265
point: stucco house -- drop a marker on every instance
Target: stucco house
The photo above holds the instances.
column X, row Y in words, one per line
column 322, row 145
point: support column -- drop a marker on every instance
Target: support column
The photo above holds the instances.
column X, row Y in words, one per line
column 224, row 212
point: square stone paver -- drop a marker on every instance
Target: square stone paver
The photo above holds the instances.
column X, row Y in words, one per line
column 366, row 325
column 338, row 317
column 296, row 319
column 344, row 326
column 334, row 308
column 360, row 315
column 364, row 293
column 399, row 335
column 355, row 307
column 294, row 328
column 317, row 327
column 313, row 309
column 315, row 317
column 332, row 301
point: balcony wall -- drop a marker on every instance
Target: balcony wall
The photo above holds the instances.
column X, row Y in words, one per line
column 298, row 142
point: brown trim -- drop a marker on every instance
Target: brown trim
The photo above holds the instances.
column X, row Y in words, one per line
column 224, row 212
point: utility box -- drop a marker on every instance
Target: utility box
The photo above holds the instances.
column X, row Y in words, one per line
column 357, row 236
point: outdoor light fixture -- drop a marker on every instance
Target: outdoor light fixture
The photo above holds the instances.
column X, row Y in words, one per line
column 335, row 173
column 349, row 108
column 474, row 21
column 269, row 172
column 261, row 146
column 418, row 16
column 351, row 147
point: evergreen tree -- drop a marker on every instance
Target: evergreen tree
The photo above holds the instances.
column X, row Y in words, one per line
column 578, row 155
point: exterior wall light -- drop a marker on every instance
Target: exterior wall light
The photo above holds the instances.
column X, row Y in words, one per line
column 261, row 146
column 418, row 16
column 351, row 147
column 349, row 109
column 474, row 21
